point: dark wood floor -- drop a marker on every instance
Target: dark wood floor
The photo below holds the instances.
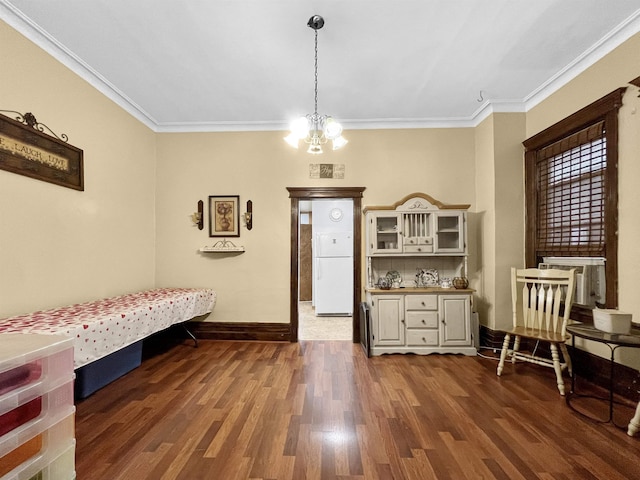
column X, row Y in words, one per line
column 322, row 410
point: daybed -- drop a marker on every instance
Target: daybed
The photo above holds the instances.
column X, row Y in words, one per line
column 108, row 333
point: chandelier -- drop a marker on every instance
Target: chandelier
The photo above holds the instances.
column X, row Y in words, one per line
column 315, row 129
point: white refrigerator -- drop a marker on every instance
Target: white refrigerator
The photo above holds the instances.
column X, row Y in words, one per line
column 333, row 279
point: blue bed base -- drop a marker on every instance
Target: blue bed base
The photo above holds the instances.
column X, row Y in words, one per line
column 105, row 370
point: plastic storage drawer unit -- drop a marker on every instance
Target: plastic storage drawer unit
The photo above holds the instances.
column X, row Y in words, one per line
column 27, row 358
column 36, row 405
column 61, row 466
column 44, row 438
column 27, row 403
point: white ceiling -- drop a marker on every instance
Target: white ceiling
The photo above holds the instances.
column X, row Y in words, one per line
column 219, row 65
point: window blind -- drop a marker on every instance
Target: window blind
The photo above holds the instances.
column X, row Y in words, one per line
column 571, row 195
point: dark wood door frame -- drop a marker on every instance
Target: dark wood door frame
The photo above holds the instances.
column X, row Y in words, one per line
column 313, row 193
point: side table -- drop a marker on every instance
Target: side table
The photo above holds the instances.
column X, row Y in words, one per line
column 613, row 341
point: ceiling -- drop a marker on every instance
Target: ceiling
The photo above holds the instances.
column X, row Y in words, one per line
column 225, row 65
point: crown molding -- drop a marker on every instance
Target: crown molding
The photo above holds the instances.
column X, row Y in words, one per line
column 23, row 24
column 20, row 22
column 616, row 37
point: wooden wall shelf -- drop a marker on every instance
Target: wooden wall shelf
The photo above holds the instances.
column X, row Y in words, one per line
column 223, row 246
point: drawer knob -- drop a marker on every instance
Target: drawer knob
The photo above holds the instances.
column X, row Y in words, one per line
column 423, row 321
column 422, row 303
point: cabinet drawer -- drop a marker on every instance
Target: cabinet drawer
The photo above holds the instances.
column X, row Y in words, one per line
column 421, row 302
column 418, row 249
column 422, row 337
column 422, row 319
column 418, row 241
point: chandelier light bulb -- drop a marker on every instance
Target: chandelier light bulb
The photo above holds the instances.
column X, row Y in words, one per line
column 339, row 142
column 332, row 129
column 300, row 127
column 314, row 149
column 292, row 140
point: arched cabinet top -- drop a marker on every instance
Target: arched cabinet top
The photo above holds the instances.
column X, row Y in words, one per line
column 419, row 201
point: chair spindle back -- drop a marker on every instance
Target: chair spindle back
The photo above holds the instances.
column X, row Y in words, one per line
column 542, row 292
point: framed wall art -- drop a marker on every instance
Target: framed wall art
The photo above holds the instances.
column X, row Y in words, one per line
column 27, row 150
column 224, row 216
column 326, row 170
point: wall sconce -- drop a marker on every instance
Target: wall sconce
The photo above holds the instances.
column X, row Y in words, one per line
column 198, row 217
column 636, row 83
column 248, row 215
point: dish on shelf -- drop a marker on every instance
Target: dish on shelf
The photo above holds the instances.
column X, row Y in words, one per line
column 427, row 277
column 394, row 277
column 460, row 282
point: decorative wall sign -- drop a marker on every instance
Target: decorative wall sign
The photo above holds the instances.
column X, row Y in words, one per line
column 26, row 150
column 224, row 216
column 326, row 170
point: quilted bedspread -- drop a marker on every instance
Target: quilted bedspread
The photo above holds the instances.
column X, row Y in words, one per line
column 105, row 326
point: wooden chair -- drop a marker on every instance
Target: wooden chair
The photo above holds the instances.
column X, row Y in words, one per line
column 541, row 303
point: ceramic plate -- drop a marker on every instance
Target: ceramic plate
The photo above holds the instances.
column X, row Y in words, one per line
column 430, row 277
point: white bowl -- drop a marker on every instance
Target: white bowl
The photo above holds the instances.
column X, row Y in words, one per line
column 611, row 321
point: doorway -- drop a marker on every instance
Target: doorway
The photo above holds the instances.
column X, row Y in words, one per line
column 325, row 271
column 298, row 194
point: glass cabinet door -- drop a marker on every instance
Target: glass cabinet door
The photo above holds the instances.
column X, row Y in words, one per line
column 385, row 233
column 449, row 232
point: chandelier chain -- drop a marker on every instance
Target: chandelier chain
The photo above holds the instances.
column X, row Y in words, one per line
column 316, row 76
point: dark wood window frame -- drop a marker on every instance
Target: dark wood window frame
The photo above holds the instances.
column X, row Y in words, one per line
column 603, row 110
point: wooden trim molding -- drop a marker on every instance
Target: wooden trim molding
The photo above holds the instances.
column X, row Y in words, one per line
column 424, row 196
column 310, row 193
column 491, row 339
column 271, row 332
column 605, row 109
column 596, row 370
column 588, row 366
column 575, row 122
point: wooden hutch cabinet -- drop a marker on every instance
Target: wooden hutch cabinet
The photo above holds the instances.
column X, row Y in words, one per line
column 419, row 245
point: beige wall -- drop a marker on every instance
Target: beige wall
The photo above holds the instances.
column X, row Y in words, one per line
column 130, row 229
column 258, row 166
column 58, row 245
column 612, row 72
column 485, row 239
column 509, row 132
column 499, row 201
